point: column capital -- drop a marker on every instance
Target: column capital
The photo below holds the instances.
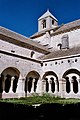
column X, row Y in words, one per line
column 79, row 80
column 62, row 80
column 43, row 80
column 33, row 79
column 49, row 81
column 55, row 80
column 71, row 80
column 12, row 78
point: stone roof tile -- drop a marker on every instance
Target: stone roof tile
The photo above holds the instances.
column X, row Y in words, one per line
column 20, row 40
column 59, row 29
column 62, row 53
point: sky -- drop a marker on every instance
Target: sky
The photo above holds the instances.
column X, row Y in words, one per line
column 21, row 16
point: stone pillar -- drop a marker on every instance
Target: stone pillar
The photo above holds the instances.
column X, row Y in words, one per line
column 56, row 86
column 32, row 89
column 11, row 87
column 27, row 85
column 39, row 86
column 50, row 87
column 3, row 84
column 79, row 85
column 62, row 87
column 71, row 86
column 43, row 86
column 20, row 87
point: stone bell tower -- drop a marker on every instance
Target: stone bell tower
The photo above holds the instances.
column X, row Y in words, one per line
column 47, row 21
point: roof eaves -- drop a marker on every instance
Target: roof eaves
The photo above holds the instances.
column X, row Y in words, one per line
column 17, row 39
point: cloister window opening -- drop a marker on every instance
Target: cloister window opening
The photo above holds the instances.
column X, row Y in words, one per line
column 28, row 84
column 67, row 85
column 8, row 80
column 51, row 82
column 72, row 77
column 31, row 82
column 52, row 85
column 15, row 84
column 35, row 84
column 75, row 84
column 7, row 83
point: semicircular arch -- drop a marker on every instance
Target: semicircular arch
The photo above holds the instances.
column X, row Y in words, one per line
column 11, row 71
column 69, row 71
column 33, row 74
column 50, row 73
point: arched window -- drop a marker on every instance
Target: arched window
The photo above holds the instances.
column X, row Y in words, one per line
column 44, row 23
column 65, row 42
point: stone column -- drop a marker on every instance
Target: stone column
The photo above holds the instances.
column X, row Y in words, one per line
column 32, row 89
column 39, row 86
column 79, row 86
column 56, row 86
column 11, row 87
column 50, row 83
column 20, row 87
column 62, row 87
column 71, row 85
column 27, row 85
column 3, row 84
column 43, row 86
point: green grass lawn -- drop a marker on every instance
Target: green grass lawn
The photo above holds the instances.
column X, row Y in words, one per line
column 40, row 100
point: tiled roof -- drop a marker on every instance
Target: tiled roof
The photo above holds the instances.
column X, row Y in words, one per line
column 20, row 40
column 37, row 34
column 62, row 53
column 68, row 26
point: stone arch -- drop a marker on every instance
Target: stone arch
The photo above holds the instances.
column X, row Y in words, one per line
column 5, row 79
column 31, row 81
column 51, row 79
column 72, row 77
column 71, row 71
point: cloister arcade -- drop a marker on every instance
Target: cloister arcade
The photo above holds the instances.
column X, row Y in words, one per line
column 50, row 82
column 72, row 78
column 31, row 81
column 8, row 80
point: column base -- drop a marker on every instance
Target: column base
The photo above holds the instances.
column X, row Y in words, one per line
column 21, row 94
column 9, row 95
column 12, row 95
column 50, row 92
column 4, row 92
column 11, row 92
column 62, row 94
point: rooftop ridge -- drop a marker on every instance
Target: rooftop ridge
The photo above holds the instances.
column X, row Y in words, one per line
column 48, row 13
